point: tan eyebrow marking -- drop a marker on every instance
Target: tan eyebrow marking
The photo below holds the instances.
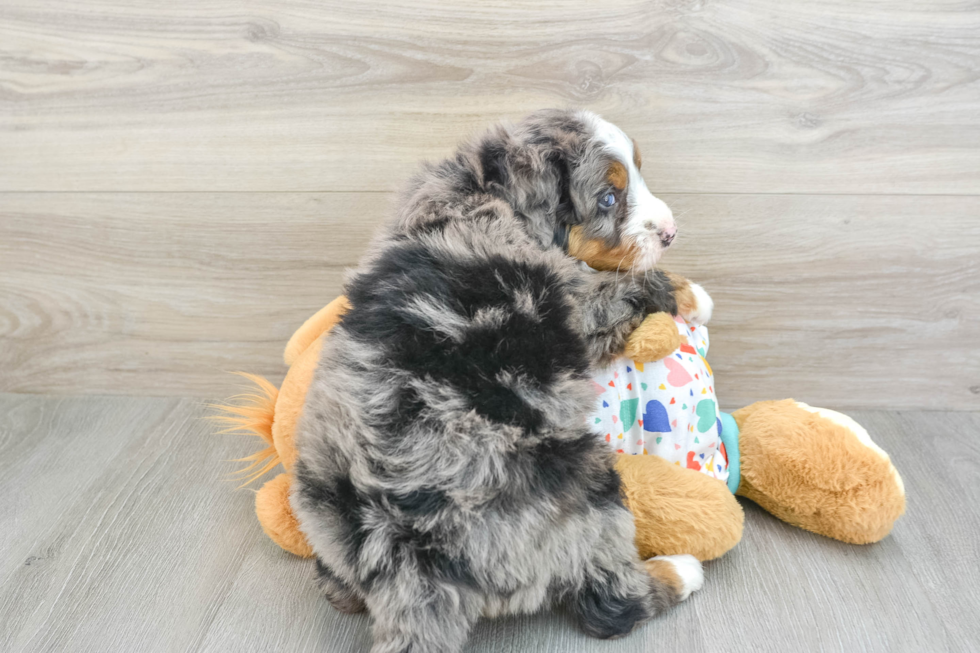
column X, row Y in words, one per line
column 617, row 175
column 637, row 159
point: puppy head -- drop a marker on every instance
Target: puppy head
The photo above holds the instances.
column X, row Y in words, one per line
column 606, row 217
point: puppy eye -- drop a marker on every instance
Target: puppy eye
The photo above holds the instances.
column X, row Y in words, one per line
column 607, row 200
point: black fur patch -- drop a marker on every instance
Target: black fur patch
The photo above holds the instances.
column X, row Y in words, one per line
column 533, row 348
column 341, row 595
column 423, row 501
column 607, row 489
column 659, row 294
column 437, row 564
column 420, row 550
column 558, row 471
column 432, row 226
column 493, row 155
column 558, row 463
column 342, row 499
column 409, row 408
column 462, row 174
column 338, row 496
column 604, row 614
column 561, row 236
column 565, row 211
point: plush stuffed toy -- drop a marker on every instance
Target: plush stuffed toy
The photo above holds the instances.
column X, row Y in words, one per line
column 813, row 468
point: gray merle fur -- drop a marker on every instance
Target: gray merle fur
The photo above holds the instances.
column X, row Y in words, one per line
column 445, row 470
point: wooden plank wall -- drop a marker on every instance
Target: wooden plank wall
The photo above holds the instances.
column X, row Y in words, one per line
column 181, row 184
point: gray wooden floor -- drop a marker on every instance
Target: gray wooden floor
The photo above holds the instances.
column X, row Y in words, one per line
column 117, row 533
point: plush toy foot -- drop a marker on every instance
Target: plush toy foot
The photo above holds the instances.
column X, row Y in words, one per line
column 818, row 470
column 277, row 519
column 678, row 510
column 655, row 339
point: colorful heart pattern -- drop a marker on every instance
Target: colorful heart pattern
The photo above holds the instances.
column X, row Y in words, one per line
column 673, row 398
column 707, row 414
column 677, row 376
column 655, row 418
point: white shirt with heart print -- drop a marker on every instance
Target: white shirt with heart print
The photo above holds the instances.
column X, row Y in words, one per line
column 667, row 408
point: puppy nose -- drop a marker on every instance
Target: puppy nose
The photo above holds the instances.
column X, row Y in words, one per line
column 667, row 235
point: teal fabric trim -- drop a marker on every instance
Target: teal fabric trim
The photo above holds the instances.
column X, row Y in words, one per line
column 729, row 436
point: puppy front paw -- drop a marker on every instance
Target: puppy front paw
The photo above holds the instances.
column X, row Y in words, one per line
column 695, row 305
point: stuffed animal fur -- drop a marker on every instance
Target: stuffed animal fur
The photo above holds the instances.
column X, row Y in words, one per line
column 818, row 471
column 439, row 466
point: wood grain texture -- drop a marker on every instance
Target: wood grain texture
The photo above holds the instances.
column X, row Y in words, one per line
column 165, row 294
column 728, row 96
column 837, row 300
column 118, row 533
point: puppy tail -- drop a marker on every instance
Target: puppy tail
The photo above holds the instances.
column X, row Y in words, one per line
column 252, row 414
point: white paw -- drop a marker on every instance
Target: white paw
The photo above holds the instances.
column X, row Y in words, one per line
column 705, row 305
column 689, row 571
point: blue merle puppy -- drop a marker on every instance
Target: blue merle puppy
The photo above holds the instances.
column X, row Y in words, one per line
column 445, row 468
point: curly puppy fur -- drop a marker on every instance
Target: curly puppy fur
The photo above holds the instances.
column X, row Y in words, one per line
column 445, row 470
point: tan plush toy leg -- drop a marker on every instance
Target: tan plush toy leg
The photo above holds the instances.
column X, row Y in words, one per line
column 655, row 338
column 818, row 470
column 272, row 501
column 678, row 510
column 273, row 414
column 276, row 516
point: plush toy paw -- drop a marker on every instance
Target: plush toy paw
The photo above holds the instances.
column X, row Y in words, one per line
column 277, row 518
column 819, row 470
column 655, row 338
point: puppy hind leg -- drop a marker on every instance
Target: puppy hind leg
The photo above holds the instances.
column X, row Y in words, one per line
column 342, row 596
column 610, row 606
column 418, row 614
column 616, row 593
column 620, row 592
